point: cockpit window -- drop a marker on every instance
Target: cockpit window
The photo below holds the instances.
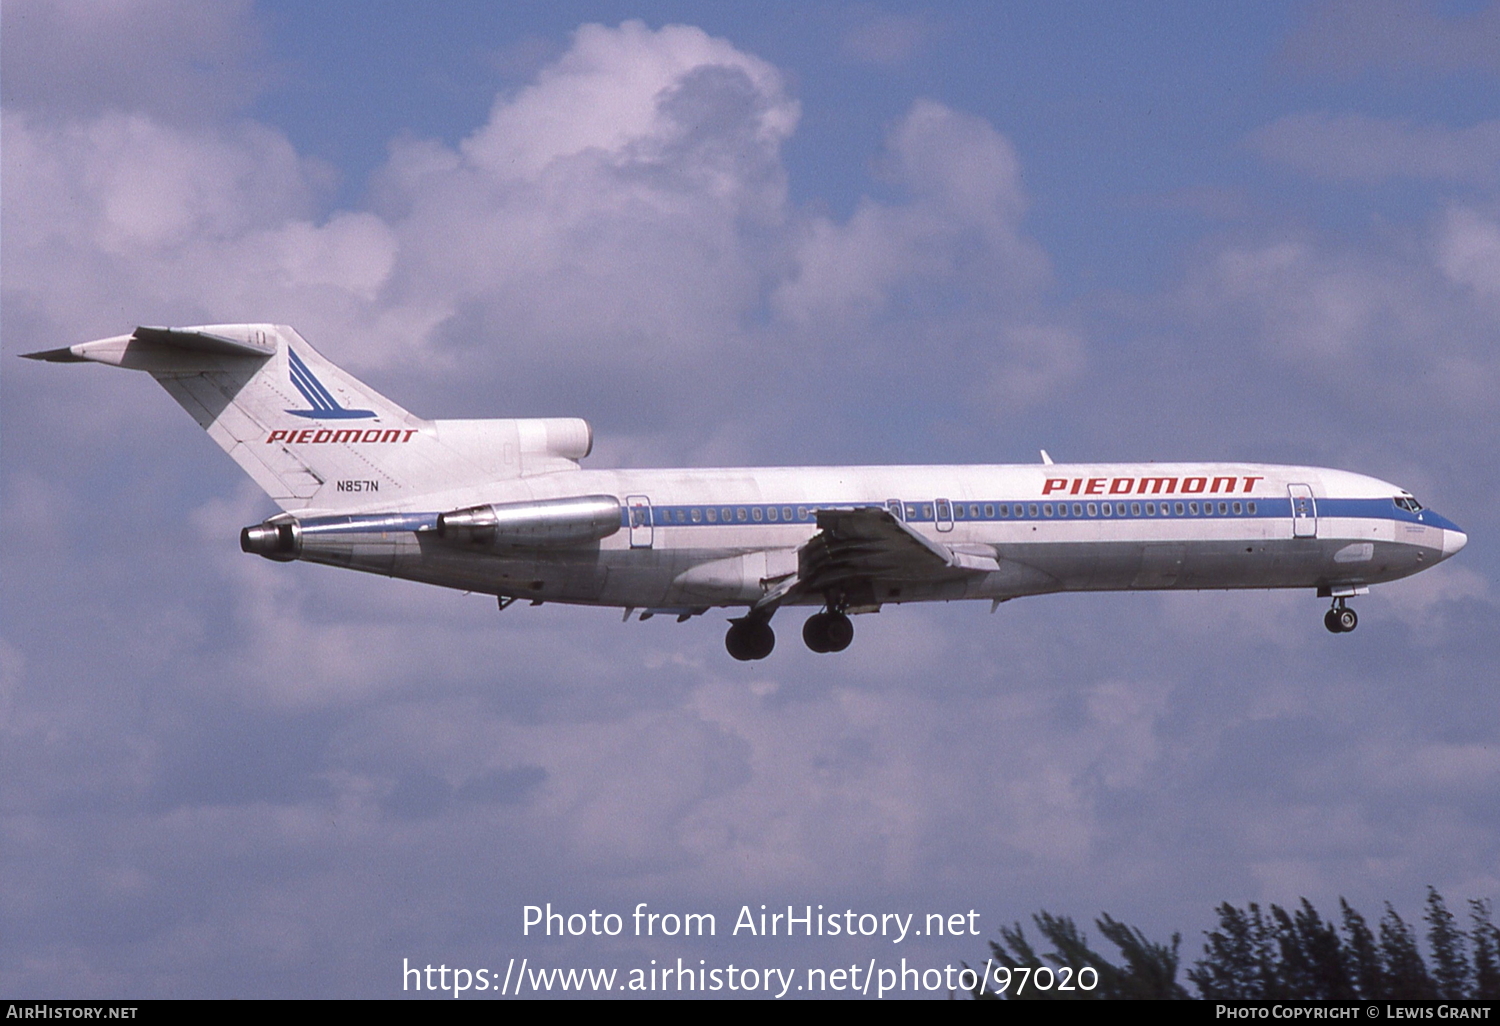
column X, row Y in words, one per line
column 1409, row 504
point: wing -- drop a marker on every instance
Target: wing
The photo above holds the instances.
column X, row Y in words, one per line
column 856, row 547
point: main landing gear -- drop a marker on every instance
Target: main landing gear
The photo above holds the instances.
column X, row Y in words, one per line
column 828, row 631
column 750, row 637
column 1340, row 619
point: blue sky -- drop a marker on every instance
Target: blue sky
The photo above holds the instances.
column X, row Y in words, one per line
column 814, row 234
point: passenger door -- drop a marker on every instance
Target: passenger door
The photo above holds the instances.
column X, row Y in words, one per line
column 1304, row 511
column 639, row 507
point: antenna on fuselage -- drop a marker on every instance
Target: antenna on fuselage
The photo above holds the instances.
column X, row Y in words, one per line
column 1046, row 460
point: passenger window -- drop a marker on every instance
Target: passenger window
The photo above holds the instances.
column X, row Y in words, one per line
column 756, row 513
column 1078, row 509
column 740, row 514
column 926, row 511
column 1047, row 509
column 1107, row 509
column 1251, row 507
column 1223, row 509
column 1179, row 509
column 1150, row 509
column 786, row 513
column 697, row 515
column 974, row 512
column 1193, row 508
column 1004, row 510
column 771, row 514
column 801, row 512
column 1135, row 509
column 1237, row 509
column 712, row 514
column 911, row 511
column 1093, row 509
column 1031, row 509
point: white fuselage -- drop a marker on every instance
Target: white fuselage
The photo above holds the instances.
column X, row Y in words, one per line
column 692, row 539
column 503, row 506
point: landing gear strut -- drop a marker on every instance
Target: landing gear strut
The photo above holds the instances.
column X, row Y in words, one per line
column 749, row 638
column 1340, row 619
column 828, row 631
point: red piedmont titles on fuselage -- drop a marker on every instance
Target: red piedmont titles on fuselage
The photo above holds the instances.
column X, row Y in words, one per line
column 320, row 436
column 1223, row 485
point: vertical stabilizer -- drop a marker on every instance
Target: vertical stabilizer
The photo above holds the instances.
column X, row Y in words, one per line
column 313, row 436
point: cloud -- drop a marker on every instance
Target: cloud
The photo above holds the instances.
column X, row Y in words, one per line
column 950, row 269
column 622, row 210
column 1375, row 330
column 626, row 211
column 886, row 39
column 179, row 60
column 1398, row 37
column 637, row 98
column 1356, row 147
column 194, row 224
column 1468, row 247
column 960, row 229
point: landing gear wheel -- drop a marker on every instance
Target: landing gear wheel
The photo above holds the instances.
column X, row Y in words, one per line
column 815, row 633
column 839, row 632
column 748, row 639
column 1340, row 619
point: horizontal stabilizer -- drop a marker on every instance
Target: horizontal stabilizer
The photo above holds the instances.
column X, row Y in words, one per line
column 187, row 350
column 204, row 342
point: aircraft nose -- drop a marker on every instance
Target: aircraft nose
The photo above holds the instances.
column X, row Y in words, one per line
column 1453, row 541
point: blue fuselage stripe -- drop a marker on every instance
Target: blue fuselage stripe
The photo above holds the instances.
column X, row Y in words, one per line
column 804, row 514
column 990, row 511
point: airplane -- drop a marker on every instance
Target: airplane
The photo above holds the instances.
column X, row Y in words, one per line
column 502, row 507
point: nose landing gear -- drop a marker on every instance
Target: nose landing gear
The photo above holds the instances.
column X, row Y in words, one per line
column 1340, row 619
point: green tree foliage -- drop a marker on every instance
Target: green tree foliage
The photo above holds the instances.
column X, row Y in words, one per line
column 1486, row 950
column 1405, row 972
column 1241, row 963
column 1272, row 954
column 1149, row 970
column 1361, row 954
column 1312, row 958
column 1450, row 962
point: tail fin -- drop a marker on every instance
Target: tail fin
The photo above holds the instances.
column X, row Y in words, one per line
column 314, row 437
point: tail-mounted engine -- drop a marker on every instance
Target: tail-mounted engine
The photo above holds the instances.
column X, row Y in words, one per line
column 546, row 523
column 279, row 538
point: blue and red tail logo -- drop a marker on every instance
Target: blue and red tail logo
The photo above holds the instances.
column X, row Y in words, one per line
column 324, row 405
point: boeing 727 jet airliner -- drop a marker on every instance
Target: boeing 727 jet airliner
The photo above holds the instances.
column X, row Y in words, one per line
column 502, row 507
